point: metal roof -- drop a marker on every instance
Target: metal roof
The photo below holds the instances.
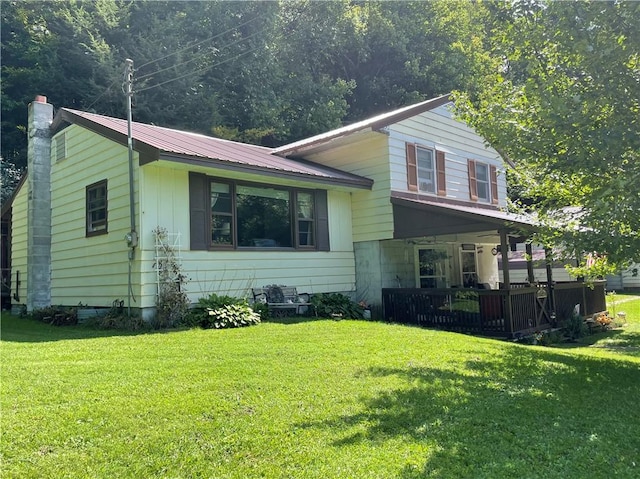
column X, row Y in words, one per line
column 158, row 143
column 370, row 124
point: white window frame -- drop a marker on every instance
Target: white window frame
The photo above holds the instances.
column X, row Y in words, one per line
column 433, row 170
column 486, row 182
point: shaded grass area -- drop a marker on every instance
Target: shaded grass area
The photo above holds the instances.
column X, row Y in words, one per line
column 317, row 399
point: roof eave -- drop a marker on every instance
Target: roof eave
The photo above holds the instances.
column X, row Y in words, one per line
column 376, row 123
column 355, row 182
column 64, row 117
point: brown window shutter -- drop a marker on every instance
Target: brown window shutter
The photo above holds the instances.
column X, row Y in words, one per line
column 322, row 220
column 494, row 184
column 440, row 171
column 198, row 217
column 412, row 168
column 473, row 186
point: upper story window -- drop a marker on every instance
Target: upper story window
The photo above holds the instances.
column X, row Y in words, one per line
column 483, row 182
column 426, row 170
column 244, row 215
column 96, row 208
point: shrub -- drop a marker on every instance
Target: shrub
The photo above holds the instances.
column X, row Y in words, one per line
column 221, row 312
column 231, row 316
column 333, row 304
column 262, row 309
column 575, row 327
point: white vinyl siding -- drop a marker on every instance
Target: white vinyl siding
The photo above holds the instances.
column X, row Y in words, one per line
column 92, row 270
column 366, row 154
column 437, row 129
column 164, row 192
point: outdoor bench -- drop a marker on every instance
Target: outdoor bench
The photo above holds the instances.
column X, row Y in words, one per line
column 282, row 300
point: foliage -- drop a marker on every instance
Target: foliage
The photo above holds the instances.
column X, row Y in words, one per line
column 9, row 179
column 329, row 305
column 56, row 315
column 221, row 312
column 264, row 72
column 562, row 104
column 262, row 309
column 116, row 318
column 172, row 302
column 575, row 328
column 319, row 399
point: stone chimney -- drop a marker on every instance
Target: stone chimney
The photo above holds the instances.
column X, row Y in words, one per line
column 39, row 204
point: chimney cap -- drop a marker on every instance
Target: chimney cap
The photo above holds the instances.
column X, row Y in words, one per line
column 41, row 99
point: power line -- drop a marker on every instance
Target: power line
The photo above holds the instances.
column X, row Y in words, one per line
column 202, row 55
column 200, row 70
column 103, row 93
column 199, row 43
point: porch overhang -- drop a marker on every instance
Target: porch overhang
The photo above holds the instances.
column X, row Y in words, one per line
column 418, row 216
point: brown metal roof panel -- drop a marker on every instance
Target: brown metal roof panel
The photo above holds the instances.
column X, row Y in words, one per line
column 171, row 142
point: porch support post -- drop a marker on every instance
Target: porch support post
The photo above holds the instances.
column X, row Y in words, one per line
column 504, row 248
column 548, row 260
column 529, row 253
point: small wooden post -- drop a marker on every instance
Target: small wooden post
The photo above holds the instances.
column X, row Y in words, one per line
column 529, row 253
column 504, row 247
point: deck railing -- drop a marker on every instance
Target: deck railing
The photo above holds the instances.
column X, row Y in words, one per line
column 502, row 312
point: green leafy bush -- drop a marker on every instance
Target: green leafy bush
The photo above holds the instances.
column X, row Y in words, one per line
column 221, row 312
column 336, row 304
column 230, row 316
column 575, row 328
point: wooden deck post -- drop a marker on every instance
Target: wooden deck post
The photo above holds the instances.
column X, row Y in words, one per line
column 529, row 252
column 548, row 260
column 504, row 248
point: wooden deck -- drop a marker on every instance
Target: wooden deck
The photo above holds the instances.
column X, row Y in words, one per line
column 508, row 313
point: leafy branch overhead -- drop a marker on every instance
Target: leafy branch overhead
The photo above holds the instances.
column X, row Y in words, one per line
column 563, row 103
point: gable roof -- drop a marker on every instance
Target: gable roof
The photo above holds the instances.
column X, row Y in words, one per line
column 371, row 124
column 155, row 143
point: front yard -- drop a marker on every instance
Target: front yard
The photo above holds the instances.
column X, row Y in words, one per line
column 316, row 399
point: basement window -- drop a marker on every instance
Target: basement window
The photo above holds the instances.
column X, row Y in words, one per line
column 97, row 208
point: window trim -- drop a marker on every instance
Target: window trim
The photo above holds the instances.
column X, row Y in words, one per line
column 293, row 210
column 89, row 231
column 434, row 169
column 439, row 169
column 492, row 182
column 486, row 182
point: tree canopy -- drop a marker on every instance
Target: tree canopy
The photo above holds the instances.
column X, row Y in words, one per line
column 563, row 104
column 554, row 86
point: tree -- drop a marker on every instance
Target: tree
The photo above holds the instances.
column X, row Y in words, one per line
column 563, row 104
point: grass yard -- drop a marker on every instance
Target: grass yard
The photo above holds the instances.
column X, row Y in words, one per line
column 317, row 399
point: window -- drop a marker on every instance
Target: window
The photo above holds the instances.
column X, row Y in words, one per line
column 468, row 266
column 264, row 217
column 432, row 265
column 96, row 196
column 483, row 182
column 426, row 170
column 245, row 215
column 305, row 218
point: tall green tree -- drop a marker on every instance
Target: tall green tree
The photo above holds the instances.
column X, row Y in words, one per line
column 564, row 105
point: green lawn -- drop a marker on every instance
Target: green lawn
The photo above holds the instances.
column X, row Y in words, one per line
column 317, row 399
